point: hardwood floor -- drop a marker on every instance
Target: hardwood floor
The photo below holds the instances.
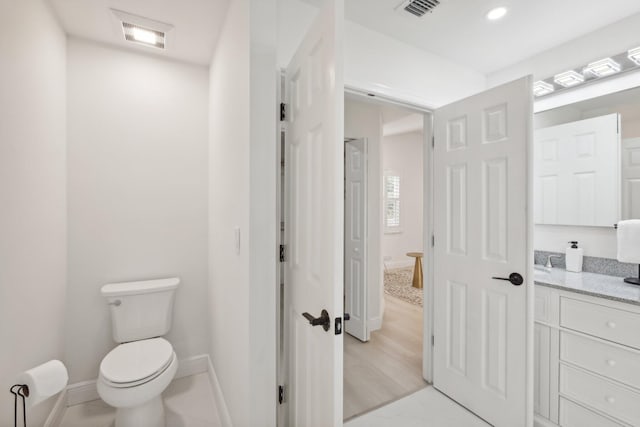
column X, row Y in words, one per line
column 389, row 366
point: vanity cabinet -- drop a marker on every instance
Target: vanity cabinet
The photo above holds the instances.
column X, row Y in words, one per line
column 587, row 360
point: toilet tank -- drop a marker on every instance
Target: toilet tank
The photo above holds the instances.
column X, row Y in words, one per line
column 140, row 310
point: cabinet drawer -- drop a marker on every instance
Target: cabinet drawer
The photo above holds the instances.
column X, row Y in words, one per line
column 612, row 399
column 605, row 359
column 573, row 415
column 605, row 322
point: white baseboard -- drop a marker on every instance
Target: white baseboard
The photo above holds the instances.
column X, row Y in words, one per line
column 82, row 392
column 57, row 412
column 221, row 404
column 192, row 366
column 541, row 422
column 399, row 264
column 86, row 391
column 374, row 323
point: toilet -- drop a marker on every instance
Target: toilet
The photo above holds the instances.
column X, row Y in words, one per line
column 134, row 374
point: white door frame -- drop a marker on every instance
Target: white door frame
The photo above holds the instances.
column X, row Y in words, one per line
column 427, row 212
column 428, row 228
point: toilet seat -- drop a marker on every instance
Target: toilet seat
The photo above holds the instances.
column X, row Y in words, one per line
column 137, row 362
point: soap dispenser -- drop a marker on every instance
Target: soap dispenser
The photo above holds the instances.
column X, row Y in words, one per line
column 574, row 257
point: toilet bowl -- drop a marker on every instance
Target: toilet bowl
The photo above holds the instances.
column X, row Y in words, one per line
column 133, row 375
column 132, row 378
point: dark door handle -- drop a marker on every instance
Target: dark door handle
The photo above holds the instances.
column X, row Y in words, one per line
column 324, row 320
column 347, row 316
column 515, row 279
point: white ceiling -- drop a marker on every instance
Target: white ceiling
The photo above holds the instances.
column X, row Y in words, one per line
column 459, row 31
column 196, row 24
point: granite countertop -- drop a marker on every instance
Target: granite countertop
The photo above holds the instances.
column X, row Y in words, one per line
column 598, row 285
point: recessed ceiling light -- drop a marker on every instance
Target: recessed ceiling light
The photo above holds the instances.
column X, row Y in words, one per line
column 496, row 13
column 634, row 55
column 146, row 36
column 603, row 67
column 568, row 78
column 541, row 88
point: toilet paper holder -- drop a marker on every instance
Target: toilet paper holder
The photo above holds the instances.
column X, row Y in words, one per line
column 21, row 390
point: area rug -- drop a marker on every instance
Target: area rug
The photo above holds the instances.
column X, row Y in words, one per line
column 398, row 283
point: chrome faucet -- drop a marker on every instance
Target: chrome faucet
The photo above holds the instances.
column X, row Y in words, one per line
column 548, row 264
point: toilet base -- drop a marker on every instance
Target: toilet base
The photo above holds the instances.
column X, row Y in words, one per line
column 149, row 414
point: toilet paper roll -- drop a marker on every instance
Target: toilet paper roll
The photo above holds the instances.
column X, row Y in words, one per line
column 44, row 381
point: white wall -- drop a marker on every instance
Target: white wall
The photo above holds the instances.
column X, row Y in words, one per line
column 596, row 241
column 403, row 154
column 243, row 165
column 364, row 120
column 32, row 195
column 263, row 220
column 137, row 166
column 377, row 63
column 609, row 40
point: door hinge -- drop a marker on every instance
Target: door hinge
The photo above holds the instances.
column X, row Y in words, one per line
column 283, row 111
column 433, row 142
column 281, row 394
column 433, row 340
column 283, row 253
column 433, row 241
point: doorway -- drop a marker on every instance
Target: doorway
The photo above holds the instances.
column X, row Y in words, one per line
column 384, row 224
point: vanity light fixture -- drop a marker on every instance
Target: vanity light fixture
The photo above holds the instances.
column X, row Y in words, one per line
column 145, row 36
column 602, row 68
column 634, row 55
column 593, row 72
column 568, row 78
column 541, row 88
column 496, row 13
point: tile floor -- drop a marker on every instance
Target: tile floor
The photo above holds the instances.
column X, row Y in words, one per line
column 425, row 408
column 188, row 403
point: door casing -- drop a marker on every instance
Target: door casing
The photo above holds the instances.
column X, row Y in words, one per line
column 428, row 228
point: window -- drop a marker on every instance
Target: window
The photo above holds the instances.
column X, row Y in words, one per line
column 392, row 203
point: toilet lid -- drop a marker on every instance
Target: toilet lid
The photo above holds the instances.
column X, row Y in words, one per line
column 136, row 360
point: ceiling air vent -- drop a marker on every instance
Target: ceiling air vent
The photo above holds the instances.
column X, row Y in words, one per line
column 420, row 7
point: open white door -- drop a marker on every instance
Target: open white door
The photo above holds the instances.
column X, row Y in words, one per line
column 482, row 223
column 314, row 217
column 355, row 238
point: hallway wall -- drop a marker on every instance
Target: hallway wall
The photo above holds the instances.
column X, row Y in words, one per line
column 242, row 198
column 403, row 154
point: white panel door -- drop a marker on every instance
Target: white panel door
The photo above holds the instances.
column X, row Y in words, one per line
column 631, row 178
column 577, row 172
column 355, row 238
column 481, row 228
column 314, row 217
